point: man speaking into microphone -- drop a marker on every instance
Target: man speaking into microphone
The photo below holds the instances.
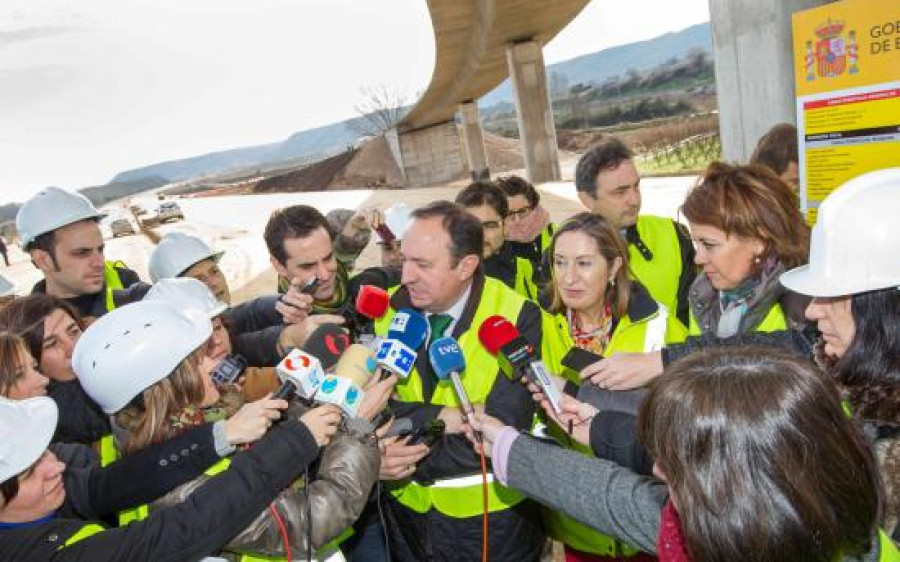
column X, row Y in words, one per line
column 435, row 506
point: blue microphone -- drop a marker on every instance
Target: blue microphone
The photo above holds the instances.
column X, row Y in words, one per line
column 448, row 361
column 407, row 332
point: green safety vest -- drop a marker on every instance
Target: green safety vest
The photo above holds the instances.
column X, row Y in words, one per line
column 525, row 283
column 461, row 497
column 647, row 334
column 112, row 281
column 774, row 321
column 660, row 275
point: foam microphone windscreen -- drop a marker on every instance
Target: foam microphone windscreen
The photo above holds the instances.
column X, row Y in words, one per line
column 446, row 357
column 327, row 343
column 495, row 332
column 409, row 327
column 356, row 365
column 372, row 302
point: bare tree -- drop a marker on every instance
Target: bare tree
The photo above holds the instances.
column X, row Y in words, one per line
column 559, row 85
column 381, row 109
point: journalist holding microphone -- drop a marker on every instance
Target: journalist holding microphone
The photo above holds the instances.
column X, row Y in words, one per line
column 755, row 459
column 435, row 506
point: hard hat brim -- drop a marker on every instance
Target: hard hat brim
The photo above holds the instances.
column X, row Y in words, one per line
column 40, row 418
column 805, row 281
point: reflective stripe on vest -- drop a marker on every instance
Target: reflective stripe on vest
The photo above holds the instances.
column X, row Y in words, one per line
column 774, row 321
column 648, row 334
column 660, row 275
column 108, row 451
column 481, row 369
column 83, row 533
column 113, row 282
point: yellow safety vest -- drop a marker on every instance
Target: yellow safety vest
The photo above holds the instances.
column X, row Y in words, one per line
column 647, row 334
column 661, row 274
column 525, row 283
column 112, row 281
column 773, row 322
column 461, row 497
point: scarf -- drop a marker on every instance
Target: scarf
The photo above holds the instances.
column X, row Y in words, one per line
column 597, row 340
column 670, row 545
column 528, row 228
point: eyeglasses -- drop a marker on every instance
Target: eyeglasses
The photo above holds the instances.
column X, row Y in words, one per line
column 491, row 224
column 519, row 213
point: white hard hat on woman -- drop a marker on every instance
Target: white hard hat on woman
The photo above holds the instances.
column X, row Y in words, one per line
column 133, row 347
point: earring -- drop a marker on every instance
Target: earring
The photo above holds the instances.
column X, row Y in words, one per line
column 756, row 260
column 612, row 281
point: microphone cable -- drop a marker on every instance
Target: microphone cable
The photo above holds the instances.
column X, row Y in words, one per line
column 282, row 528
column 484, row 487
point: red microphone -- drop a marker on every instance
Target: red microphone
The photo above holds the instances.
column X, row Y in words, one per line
column 372, row 302
column 516, row 356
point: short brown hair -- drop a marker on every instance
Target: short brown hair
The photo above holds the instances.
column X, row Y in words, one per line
column 610, row 246
column 761, row 460
column 777, row 148
column 296, row 221
column 516, row 185
column 750, row 202
column 465, row 231
column 607, row 154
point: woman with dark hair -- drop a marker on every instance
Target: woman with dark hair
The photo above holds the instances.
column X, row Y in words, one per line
column 596, row 307
column 747, row 231
column 50, row 327
column 855, row 284
column 755, row 459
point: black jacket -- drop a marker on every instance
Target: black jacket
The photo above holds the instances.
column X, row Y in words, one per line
column 188, row 531
column 94, row 305
column 94, row 492
column 80, row 419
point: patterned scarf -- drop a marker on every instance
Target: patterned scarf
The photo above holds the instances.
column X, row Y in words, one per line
column 597, row 340
column 528, row 228
column 670, row 545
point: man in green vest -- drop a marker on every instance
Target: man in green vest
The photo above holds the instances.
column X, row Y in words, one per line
column 660, row 252
column 60, row 231
column 434, row 508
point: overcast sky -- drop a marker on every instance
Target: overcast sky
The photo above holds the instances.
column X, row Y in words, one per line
column 90, row 88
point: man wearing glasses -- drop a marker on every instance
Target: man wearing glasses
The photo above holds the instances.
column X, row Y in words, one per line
column 528, row 234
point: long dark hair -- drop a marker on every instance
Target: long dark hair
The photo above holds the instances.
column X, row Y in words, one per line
column 761, row 460
column 869, row 370
column 25, row 316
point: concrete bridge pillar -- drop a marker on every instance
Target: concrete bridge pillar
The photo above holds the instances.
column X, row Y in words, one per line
column 754, row 61
column 474, row 141
column 536, row 128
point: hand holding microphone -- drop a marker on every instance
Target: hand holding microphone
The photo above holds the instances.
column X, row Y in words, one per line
column 448, row 363
column 302, row 371
column 517, row 357
column 371, row 303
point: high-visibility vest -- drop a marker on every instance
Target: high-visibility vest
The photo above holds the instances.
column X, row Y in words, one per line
column 662, row 274
column 526, row 285
column 774, row 321
column 112, row 281
column 461, row 497
column 647, row 334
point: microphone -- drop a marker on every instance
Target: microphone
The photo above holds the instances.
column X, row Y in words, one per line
column 372, row 302
column 448, row 361
column 344, row 388
column 302, row 371
column 327, row 343
column 516, row 356
column 301, row 374
column 407, row 332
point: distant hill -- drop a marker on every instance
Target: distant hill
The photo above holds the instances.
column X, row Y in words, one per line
column 616, row 61
column 329, row 140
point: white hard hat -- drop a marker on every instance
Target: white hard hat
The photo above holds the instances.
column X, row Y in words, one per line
column 187, row 293
column 6, row 287
column 177, row 252
column 26, row 427
column 133, row 347
column 852, row 245
column 52, row 208
column 397, row 218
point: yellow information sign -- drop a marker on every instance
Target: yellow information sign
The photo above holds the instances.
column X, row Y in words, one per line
column 847, row 79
